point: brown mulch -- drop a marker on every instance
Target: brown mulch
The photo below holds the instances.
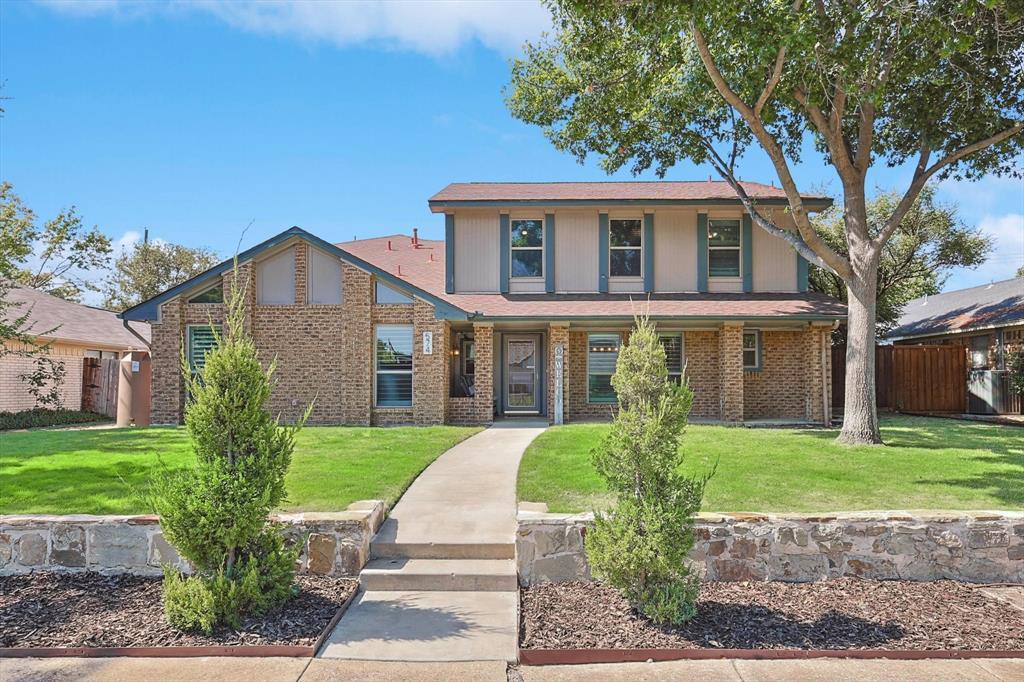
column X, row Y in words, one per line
column 94, row 610
column 846, row 613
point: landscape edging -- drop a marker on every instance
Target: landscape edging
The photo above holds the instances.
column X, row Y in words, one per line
column 334, row 543
column 974, row 546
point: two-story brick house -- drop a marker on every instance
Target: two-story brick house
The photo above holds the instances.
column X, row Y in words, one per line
column 522, row 308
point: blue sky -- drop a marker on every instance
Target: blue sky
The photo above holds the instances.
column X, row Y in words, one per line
column 195, row 118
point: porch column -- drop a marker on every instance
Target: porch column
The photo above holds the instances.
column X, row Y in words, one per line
column 430, row 370
column 730, row 369
column 558, row 371
column 818, row 365
column 483, row 377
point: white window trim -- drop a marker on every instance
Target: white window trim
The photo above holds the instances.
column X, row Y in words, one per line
column 410, row 372
column 589, row 401
column 738, row 277
column 757, row 350
column 188, row 339
column 512, row 250
column 626, row 278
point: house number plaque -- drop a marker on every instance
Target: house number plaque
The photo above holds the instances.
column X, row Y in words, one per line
column 428, row 343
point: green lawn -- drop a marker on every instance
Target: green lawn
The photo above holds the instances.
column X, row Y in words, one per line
column 927, row 464
column 96, row 471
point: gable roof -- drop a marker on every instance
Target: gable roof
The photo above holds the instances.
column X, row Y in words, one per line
column 53, row 318
column 150, row 310
column 998, row 304
column 608, row 193
column 422, row 266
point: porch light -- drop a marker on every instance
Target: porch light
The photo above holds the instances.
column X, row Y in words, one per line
column 455, row 352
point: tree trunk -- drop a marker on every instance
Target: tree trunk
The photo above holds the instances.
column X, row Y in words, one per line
column 860, row 415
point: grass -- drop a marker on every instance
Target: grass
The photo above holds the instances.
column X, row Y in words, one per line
column 96, row 471
column 927, row 463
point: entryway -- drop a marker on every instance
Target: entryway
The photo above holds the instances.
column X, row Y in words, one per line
column 522, row 372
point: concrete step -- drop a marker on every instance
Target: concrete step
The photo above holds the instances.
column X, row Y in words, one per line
column 456, row 575
column 442, row 550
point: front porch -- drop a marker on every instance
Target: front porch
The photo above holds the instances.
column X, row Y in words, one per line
column 774, row 373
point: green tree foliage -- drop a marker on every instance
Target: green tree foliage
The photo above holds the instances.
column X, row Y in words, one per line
column 149, row 268
column 1020, row 272
column 1015, row 366
column 937, row 87
column 930, row 241
column 66, row 252
column 215, row 512
column 641, row 546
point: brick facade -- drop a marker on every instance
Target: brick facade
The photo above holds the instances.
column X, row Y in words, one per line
column 325, row 355
column 14, row 395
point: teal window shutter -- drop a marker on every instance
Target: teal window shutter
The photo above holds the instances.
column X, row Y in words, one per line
column 748, row 254
column 801, row 273
column 648, row 243
column 602, row 253
column 702, row 252
column 506, row 251
column 449, row 253
column 202, row 339
column 549, row 253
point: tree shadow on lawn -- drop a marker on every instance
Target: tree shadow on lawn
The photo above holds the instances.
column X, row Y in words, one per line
column 937, row 433
column 150, row 440
column 1006, row 484
column 750, row 626
column 107, row 489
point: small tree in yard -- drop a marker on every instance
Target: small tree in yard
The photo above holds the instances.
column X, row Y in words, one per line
column 215, row 513
column 641, row 545
column 1015, row 366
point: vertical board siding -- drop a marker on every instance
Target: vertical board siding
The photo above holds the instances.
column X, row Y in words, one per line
column 476, row 251
column 911, row 378
column 648, row 244
column 702, row 252
column 602, row 254
column 504, row 251
column 675, row 258
column 576, row 261
column 549, row 253
column 801, row 273
column 449, row 253
column 774, row 268
column 747, row 255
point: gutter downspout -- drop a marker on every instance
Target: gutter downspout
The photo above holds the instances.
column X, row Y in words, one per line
column 135, row 333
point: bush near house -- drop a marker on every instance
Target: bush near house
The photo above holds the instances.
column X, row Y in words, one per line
column 40, row 416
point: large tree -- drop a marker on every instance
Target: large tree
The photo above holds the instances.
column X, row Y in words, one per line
column 148, row 268
column 936, row 87
column 917, row 259
column 58, row 256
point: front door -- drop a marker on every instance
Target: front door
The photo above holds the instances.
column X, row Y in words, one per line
column 521, row 378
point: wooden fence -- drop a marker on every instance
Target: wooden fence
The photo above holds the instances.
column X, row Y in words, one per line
column 911, row 378
column 99, row 386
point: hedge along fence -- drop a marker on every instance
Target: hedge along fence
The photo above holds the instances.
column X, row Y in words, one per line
column 982, row 547
column 334, row 543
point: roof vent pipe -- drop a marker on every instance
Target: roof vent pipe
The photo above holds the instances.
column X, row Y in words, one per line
column 415, row 237
column 389, row 246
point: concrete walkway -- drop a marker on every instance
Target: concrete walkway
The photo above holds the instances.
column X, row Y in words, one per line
column 335, row 670
column 441, row 584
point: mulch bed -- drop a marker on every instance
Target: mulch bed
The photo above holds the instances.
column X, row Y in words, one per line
column 94, row 610
column 845, row 613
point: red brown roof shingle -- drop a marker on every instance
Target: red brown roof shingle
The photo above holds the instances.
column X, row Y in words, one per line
column 54, row 318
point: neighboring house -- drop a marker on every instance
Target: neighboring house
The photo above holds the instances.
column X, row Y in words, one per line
column 987, row 319
column 988, row 323
column 522, row 309
column 73, row 333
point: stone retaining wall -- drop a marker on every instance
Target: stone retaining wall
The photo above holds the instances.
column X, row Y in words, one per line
column 982, row 547
column 335, row 543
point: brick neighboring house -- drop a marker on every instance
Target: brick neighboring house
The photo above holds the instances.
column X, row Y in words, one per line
column 522, row 308
column 73, row 332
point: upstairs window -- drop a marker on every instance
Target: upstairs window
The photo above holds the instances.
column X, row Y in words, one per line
column 724, row 248
column 626, row 248
column 324, row 278
column 527, row 245
column 602, row 354
column 214, row 294
column 394, row 365
column 385, row 294
column 673, row 345
column 275, row 279
column 751, row 350
column 202, row 338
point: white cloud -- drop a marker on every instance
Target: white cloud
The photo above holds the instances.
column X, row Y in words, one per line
column 126, row 241
column 434, row 27
column 1007, row 232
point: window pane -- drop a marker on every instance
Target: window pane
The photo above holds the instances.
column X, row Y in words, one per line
column 749, row 340
column 527, row 233
column 394, row 390
column 724, row 263
column 324, row 278
column 394, row 347
column 275, row 279
column 211, row 295
column 385, row 294
column 599, row 389
column 625, row 232
column 528, row 263
column 626, row 262
column 201, row 340
column 724, row 233
column 750, row 358
column 673, row 345
column 602, row 352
